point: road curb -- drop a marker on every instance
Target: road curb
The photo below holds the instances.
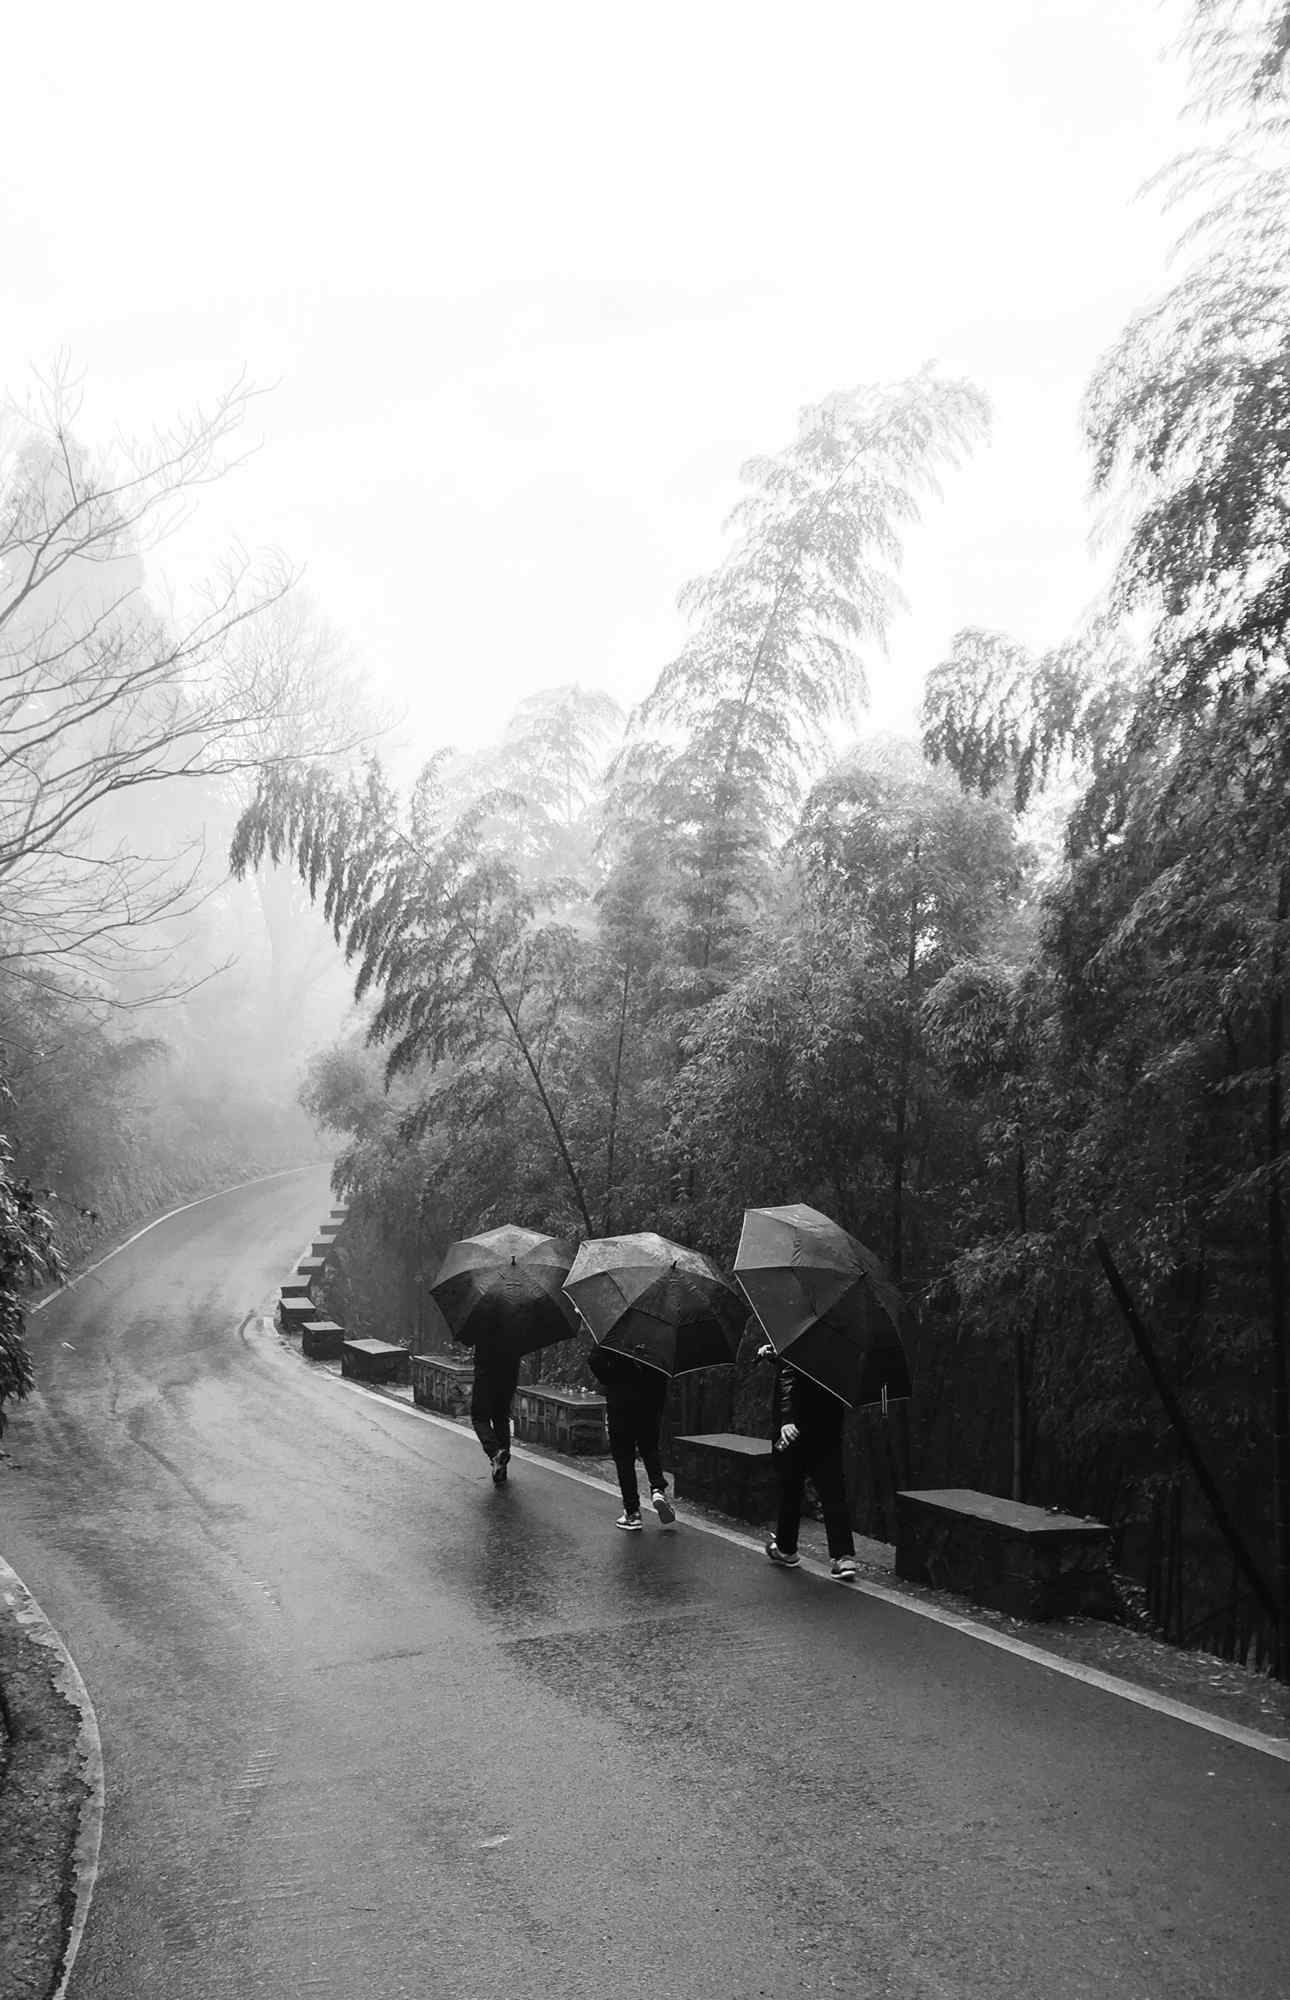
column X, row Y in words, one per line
column 51, row 1799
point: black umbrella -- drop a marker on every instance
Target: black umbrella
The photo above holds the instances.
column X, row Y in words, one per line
column 505, row 1286
column 656, row 1302
column 825, row 1302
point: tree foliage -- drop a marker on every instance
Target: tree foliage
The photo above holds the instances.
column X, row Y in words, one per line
column 100, row 696
column 780, row 629
column 1007, row 722
column 440, row 928
column 28, row 1256
column 1189, row 415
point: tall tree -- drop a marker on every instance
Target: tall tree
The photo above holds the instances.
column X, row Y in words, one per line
column 1190, row 420
column 99, row 696
column 553, row 755
column 720, row 745
column 807, row 1078
column 928, row 872
column 985, row 1024
column 1011, row 723
column 1189, row 415
column 544, row 779
column 470, row 984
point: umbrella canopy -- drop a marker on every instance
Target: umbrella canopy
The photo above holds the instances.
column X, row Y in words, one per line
column 825, row 1301
column 504, row 1286
column 656, row 1302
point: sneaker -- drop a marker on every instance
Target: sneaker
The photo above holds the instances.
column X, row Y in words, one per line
column 785, row 1558
column 843, row 1566
column 499, row 1468
column 632, row 1523
column 663, row 1507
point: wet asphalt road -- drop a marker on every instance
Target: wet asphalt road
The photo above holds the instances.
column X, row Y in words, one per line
column 374, row 1729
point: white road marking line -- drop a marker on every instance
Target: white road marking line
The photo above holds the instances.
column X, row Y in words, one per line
column 89, row 1747
column 1160, row 1704
column 156, row 1223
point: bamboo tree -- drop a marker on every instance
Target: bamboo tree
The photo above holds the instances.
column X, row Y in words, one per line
column 1218, row 1507
column 781, row 627
column 903, row 1074
column 615, row 1096
column 439, row 928
column 1279, row 1329
column 980, row 1020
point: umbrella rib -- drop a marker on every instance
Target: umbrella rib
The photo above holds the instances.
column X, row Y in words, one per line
column 798, row 1369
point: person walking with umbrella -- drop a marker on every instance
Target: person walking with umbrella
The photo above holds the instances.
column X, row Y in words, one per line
column 502, row 1293
column 492, row 1392
column 806, row 1442
column 654, row 1309
column 832, row 1321
column 634, row 1399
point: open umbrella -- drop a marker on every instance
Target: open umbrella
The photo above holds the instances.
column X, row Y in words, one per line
column 825, row 1301
column 505, row 1285
column 656, row 1302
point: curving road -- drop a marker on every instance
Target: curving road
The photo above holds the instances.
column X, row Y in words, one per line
column 373, row 1729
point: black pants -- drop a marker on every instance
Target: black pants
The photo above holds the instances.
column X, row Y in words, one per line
column 819, row 1459
column 490, row 1412
column 633, row 1427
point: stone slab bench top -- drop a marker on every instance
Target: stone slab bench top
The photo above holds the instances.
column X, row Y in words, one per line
column 311, row 1267
column 571, row 1399
column 450, row 1361
column 731, row 1441
column 376, row 1346
column 1012, row 1517
column 322, row 1326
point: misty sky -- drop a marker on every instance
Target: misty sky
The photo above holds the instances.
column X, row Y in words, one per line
column 531, row 281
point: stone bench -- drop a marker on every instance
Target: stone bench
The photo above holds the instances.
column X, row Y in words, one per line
column 338, row 1215
column 571, row 1420
column 321, row 1340
column 439, row 1382
column 311, row 1267
column 1020, row 1560
column 321, row 1245
column 294, row 1314
column 295, row 1288
column 374, row 1361
column 729, row 1471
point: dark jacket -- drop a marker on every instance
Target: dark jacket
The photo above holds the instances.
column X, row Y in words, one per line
column 796, row 1399
column 497, row 1367
column 625, row 1381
